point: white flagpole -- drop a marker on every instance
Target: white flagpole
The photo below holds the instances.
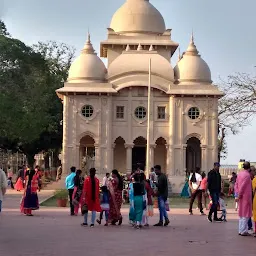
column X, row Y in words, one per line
column 148, row 124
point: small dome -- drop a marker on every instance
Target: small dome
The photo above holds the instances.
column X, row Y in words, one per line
column 191, row 67
column 138, row 62
column 87, row 67
column 138, row 16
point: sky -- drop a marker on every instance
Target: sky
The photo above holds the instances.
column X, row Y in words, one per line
column 224, row 34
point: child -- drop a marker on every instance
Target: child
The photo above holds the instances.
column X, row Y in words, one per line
column 204, row 187
column 236, row 200
column 223, row 207
column 150, row 208
column 104, row 204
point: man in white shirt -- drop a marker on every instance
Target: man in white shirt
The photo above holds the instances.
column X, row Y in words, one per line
column 105, row 180
column 3, row 186
column 195, row 180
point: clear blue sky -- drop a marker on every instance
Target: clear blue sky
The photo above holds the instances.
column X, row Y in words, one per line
column 224, row 34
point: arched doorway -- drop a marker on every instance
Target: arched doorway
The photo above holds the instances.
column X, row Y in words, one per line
column 160, row 153
column 119, row 155
column 139, row 153
column 193, row 154
column 87, row 153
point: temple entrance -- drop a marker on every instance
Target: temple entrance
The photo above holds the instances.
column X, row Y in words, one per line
column 139, row 153
column 87, row 153
column 160, row 153
column 193, row 154
column 120, row 154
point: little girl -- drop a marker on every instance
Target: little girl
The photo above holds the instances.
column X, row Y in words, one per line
column 104, row 204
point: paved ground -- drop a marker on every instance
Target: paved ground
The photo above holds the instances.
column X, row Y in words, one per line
column 52, row 232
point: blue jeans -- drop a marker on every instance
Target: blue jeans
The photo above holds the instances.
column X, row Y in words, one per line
column 215, row 201
column 93, row 217
column 0, row 205
column 162, row 209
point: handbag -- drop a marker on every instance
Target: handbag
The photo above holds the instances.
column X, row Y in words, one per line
column 84, row 209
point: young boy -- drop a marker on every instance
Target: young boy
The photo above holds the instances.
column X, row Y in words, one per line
column 223, row 208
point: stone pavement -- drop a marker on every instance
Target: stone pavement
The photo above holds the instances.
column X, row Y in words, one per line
column 52, row 232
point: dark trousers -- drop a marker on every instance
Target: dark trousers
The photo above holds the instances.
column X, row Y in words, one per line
column 250, row 224
column 196, row 194
column 72, row 209
column 215, row 202
column 11, row 183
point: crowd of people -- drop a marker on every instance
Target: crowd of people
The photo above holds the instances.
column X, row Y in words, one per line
column 84, row 193
column 242, row 186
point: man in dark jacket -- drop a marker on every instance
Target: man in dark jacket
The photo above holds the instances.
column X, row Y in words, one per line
column 214, row 187
column 162, row 193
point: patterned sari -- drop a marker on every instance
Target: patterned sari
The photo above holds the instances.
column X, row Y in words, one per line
column 115, row 201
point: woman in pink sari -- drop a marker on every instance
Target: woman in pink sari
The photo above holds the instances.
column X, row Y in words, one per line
column 243, row 188
column 116, row 199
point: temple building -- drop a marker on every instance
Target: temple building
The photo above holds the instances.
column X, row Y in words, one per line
column 105, row 108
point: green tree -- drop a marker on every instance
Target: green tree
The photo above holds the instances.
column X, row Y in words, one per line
column 30, row 111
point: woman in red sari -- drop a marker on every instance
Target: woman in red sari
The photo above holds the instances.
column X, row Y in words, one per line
column 90, row 197
column 116, row 199
column 29, row 200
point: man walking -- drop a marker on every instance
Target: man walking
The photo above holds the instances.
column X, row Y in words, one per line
column 243, row 187
column 214, row 187
column 70, row 184
column 162, row 193
column 3, row 186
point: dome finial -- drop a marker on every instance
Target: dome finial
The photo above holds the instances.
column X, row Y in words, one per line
column 88, row 48
column 192, row 50
column 88, row 36
column 192, row 37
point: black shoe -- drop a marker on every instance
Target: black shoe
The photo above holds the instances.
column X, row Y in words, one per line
column 166, row 223
column 217, row 220
column 209, row 218
column 159, row 224
column 92, row 225
column 99, row 222
column 120, row 221
column 84, row 224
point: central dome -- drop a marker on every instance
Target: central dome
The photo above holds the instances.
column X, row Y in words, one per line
column 138, row 16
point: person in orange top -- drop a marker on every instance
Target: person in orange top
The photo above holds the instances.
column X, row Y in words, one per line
column 30, row 199
column 204, row 188
column 90, row 197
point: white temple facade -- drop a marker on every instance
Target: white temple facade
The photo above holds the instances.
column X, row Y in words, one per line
column 105, row 109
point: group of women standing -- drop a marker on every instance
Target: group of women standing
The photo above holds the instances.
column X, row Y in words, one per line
column 90, row 200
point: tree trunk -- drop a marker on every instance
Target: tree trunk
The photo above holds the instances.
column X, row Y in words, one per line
column 30, row 160
column 46, row 161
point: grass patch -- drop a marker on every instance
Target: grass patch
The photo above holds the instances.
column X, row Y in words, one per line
column 51, row 202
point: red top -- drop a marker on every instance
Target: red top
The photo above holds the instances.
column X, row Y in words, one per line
column 203, row 183
column 150, row 193
column 87, row 195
